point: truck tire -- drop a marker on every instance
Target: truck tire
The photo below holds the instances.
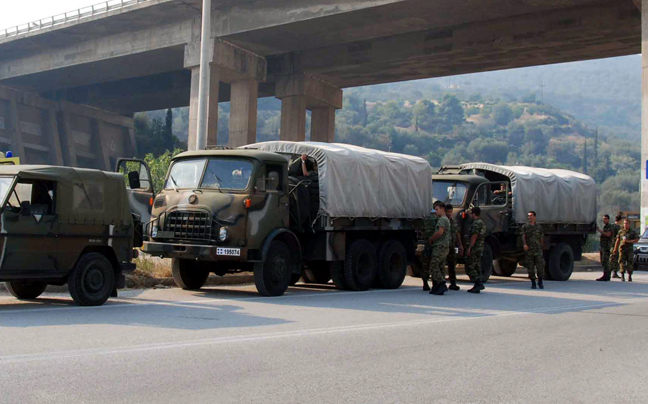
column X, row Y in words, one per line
column 337, row 274
column 392, row 265
column 187, row 274
column 360, row 266
column 272, row 276
column 26, row 289
column 92, row 280
column 318, row 272
column 561, row 262
column 505, row 267
column 487, row 262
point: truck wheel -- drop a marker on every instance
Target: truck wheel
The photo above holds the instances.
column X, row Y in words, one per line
column 92, row 280
column 187, row 274
column 26, row 289
column 337, row 274
column 561, row 262
column 392, row 265
column 360, row 266
column 487, row 262
column 505, row 267
column 317, row 272
column 272, row 276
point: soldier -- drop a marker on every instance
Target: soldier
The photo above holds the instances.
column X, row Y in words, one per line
column 439, row 242
column 624, row 246
column 606, row 247
column 475, row 250
column 614, row 257
column 533, row 238
column 455, row 241
column 429, row 227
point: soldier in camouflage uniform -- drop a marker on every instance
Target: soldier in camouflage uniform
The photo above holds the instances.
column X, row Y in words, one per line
column 624, row 246
column 455, row 241
column 429, row 226
column 439, row 244
column 606, row 247
column 614, row 257
column 533, row 238
column 475, row 249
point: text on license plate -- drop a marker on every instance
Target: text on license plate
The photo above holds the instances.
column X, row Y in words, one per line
column 231, row 252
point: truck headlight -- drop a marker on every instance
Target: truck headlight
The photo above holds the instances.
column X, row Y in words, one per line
column 154, row 231
column 223, row 234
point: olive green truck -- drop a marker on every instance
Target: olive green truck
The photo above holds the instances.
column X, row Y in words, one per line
column 286, row 210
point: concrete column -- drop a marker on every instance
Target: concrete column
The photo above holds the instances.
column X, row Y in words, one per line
column 212, row 107
column 323, row 125
column 293, row 118
column 243, row 112
column 644, row 112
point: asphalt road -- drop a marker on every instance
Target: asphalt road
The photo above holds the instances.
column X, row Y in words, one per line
column 575, row 342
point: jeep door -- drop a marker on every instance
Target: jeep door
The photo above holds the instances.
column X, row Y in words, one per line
column 30, row 227
column 139, row 186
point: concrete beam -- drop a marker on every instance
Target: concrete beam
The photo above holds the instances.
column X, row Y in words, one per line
column 323, row 125
column 293, row 118
column 235, row 63
column 317, row 92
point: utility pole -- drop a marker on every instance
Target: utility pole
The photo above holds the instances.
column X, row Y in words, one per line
column 542, row 86
column 203, row 88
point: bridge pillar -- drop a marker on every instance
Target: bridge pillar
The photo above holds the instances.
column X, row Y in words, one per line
column 644, row 112
column 243, row 70
column 301, row 92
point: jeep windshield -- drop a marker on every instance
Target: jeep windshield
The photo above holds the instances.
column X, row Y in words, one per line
column 5, row 187
column 210, row 173
column 451, row 192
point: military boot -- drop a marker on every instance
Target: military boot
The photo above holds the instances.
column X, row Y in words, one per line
column 426, row 285
column 605, row 277
column 622, row 276
column 453, row 285
column 616, row 275
column 438, row 288
column 533, row 284
column 629, row 277
column 540, row 284
column 476, row 288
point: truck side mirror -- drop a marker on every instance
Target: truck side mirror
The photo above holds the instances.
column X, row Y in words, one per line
column 134, row 180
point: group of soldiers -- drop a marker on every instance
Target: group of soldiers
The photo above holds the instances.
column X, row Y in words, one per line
column 444, row 245
column 616, row 248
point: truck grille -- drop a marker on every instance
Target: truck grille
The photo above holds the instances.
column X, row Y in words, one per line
column 189, row 225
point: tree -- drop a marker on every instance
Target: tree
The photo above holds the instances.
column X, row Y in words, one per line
column 424, row 112
column 502, row 113
column 451, row 113
column 584, row 167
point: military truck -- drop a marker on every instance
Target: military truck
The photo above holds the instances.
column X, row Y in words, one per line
column 565, row 203
column 340, row 212
column 67, row 225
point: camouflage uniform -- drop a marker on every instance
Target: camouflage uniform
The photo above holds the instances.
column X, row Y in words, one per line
column 452, row 254
column 439, row 252
column 429, row 225
column 614, row 258
column 606, row 246
column 534, row 260
column 626, row 254
column 473, row 262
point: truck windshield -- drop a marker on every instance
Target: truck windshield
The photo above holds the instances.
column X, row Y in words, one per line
column 5, row 187
column 449, row 192
column 220, row 173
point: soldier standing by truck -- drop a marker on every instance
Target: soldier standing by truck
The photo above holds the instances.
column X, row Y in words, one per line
column 624, row 246
column 533, row 238
column 455, row 242
column 440, row 243
column 606, row 247
column 614, row 256
column 475, row 250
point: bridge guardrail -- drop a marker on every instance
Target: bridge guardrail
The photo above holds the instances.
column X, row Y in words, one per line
column 70, row 16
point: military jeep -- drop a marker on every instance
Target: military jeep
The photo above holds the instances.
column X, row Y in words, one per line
column 65, row 225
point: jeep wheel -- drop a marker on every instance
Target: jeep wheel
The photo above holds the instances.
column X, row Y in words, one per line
column 26, row 289
column 187, row 274
column 92, row 280
column 392, row 265
column 561, row 262
column 360, row 266
column 487, row 262
column 272, row 276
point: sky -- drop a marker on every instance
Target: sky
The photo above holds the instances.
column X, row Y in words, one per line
column 21, row 12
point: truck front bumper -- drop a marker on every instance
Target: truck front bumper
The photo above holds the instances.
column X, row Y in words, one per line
column 195, row 251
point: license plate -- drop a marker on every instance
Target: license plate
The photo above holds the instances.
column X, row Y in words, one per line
column 230, row 252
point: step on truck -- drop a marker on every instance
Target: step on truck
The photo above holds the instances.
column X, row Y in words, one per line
column 565, row 203
column 286, row 210
column 74, row 226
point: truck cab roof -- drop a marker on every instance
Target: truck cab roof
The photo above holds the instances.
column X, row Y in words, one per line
column 246, row 153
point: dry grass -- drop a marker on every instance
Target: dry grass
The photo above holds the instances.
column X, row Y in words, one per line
column 152, row 267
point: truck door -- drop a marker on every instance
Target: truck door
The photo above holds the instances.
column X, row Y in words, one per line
column 139, row 186
column 493, row 198
column 270, row 199
column 30, row 226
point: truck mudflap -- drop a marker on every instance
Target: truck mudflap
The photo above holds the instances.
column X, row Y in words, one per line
column 126, row 267
column 196, row 251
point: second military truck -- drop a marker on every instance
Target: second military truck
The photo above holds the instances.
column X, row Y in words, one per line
column 564, row 201
column 285, row 210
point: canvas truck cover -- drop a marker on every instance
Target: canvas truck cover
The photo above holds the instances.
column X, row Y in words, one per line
column 557, row 196
column 359, row 182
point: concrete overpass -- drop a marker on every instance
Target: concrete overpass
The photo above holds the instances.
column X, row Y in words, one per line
column 304, row 52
